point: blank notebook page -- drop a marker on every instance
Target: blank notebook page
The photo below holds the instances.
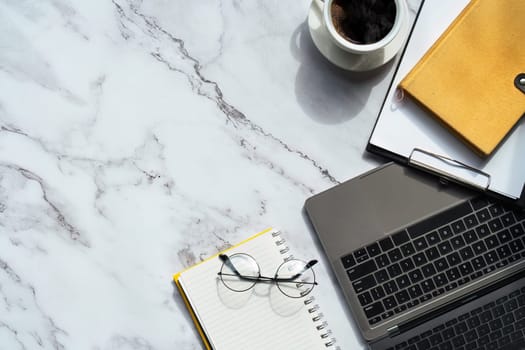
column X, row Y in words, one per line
column 260, row 318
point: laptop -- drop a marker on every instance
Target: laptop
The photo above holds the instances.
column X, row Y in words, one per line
column 424, row 263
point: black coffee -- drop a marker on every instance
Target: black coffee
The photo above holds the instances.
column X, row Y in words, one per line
column 363, row 21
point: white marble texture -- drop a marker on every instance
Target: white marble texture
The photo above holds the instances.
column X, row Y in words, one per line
column 139, row 137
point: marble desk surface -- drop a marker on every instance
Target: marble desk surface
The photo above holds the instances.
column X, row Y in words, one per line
column 139, row 137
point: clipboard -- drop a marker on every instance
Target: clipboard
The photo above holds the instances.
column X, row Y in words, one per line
column 407, row 134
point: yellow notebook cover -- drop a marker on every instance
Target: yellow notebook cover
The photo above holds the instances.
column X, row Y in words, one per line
column 466, row 79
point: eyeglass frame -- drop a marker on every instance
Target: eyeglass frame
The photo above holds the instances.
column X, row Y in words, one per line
column 265, row 279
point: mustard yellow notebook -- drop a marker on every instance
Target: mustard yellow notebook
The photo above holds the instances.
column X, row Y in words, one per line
column 259, row 318
column 467, row 78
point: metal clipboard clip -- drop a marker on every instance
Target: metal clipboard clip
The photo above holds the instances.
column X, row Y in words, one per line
column 449, row 169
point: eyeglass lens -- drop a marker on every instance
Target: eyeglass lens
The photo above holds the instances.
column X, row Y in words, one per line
column 295, row 287
column 244, row 265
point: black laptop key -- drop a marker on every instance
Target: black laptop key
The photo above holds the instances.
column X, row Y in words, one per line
column 457, row 242
column 470, row 236
column 517, row 230
column 433, row 238
column 428, row 270
column 458, row 341
column 504, row 236
column 508, row 219
column 386, row 244
column 483, row 215
column 444, row 248
column 453, row 274
column 423, row 344
column 390, row 287
column 471, row 221
column 491, row 257
column 407, row 249
column 415, row 291
column 485, row 317
column 365, row 298
column 441, row 264
column 508, row 319
column 364, row 283
column 479, row 247
column 453, row 259
column 503, row 251
column 465, row 268
column 374, row 309
column 420, row 244
column 439, row 219
column 496, row 210
column 406, row 264
column 516, row 246
column 491, row 242
column 360, row 255
column 394, row 270
column 428, row 285
column 403, row 282
column 482, row 231
column 377, row 293
column 478, row 263
column 440, row 280
column 389, row 302
column 402, row 297
column 348, row 261
column 473, row 322
column 479, row 202
column 495, row 225
column 382, row 260
column 435, row 339
column 471, row 336
column 361, row 270
column 458, row 226
column 432, row 253
column 445, row 232
column 381, row 276
column 466, row 253
column 395, row 255
column 420, row 259
column 373, row 249
column 400, row 237
column 415, row 276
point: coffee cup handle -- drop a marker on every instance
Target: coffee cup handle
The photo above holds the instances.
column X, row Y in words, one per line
column 319, row 3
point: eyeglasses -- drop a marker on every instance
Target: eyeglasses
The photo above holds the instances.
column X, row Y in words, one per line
column 294, row 278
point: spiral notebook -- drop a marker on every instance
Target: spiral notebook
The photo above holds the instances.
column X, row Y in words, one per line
column 260, row 318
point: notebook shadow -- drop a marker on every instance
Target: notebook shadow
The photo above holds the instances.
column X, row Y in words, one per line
column 326, row 93
column 279, row 303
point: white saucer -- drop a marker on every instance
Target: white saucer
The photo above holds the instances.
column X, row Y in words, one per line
column 347, row 60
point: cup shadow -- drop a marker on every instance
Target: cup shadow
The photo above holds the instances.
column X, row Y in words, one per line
column 325, row 92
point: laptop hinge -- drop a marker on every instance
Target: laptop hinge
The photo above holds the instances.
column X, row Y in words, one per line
column 393, row 331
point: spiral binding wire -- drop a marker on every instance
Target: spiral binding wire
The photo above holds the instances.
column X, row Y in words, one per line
column 317, row 317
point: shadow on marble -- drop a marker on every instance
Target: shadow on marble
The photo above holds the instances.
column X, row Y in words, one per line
column 326, row 93
column 333, row 280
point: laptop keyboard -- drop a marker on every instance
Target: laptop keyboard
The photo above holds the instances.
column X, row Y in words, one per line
column 435, row 256
column 496, row 325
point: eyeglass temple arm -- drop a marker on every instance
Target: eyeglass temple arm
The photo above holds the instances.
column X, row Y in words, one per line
column 226, row 260
column 264, row 278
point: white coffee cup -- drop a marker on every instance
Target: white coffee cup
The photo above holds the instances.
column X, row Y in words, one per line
column 392, row 38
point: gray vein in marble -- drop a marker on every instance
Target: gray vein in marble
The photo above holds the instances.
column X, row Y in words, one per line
column 74, row 233
column 203, row 86
column 20, row 300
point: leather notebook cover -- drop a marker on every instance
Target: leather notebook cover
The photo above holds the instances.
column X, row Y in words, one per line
column 466, row 79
